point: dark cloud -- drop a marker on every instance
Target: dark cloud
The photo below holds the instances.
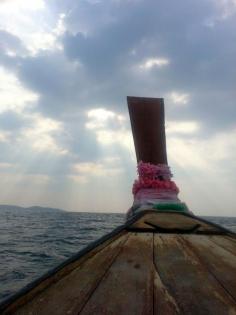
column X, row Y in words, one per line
column 82, row 143
column 10, row 42
column 103, row 45
column 201, row 59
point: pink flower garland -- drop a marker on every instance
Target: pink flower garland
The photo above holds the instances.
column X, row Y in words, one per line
column 154, row 176
column 151, row 171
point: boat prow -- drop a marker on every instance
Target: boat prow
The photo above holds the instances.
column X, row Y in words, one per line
column 162, row 261
column 157, row 263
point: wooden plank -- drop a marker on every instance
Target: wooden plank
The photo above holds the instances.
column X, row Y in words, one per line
column 148, row 127
column 164, row 303
column 232, row 237
column 227, row 243
column 219, row 261
column 127, row 288
column 70, row 293
column 187, row 280
column 171, row 221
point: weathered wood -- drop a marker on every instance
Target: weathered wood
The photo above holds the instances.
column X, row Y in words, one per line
column 187, row 280
column 227, row 243
column 163, row 301
column 172, row 220
column 147, row 119
column 127, row 287
column 70, row 293
column 219, row 262
column 142, row 273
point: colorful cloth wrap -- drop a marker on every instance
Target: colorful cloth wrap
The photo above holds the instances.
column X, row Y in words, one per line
column 154, row 187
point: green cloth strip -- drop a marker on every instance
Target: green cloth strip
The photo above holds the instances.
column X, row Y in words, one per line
column 171, row 207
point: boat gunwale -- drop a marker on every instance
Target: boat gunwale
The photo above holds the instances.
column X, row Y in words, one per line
column 91, row 246
column 26, row 289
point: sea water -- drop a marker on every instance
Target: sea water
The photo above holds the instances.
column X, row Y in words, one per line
column 33, row 242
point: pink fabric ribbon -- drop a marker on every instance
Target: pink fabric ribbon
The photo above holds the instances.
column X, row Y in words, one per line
column 154, row 183
column 152, row 194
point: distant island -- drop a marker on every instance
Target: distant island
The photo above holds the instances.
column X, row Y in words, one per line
column 33, row 208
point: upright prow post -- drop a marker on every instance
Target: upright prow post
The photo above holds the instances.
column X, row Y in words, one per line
column 147, row 116
column 154, row 188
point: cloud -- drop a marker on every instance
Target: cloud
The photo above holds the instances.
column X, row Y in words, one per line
column 10, row 44
column 178, row 98
column 66, row 68
column 226, row 10
column 110, row 128
column 4, row 136
column 99, row 118
column 209, row 156
column 21, row 5
column 205, row 171
column 5, row 165
column 13, row 95
column 154, row 62
column 181, row 127
column 98, row 169
column 40, row 135
column 11, row 121
column 34, row 25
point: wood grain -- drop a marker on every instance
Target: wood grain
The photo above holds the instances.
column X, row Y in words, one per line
column 163, row 302
column 172, row 220
column 219, row 261
column 143, row 274
column 227, row 243
column 187, row 280
column 70, row 293
column 127, row 287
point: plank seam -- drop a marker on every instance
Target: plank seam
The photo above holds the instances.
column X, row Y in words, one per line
column 180, row 310
column 231, row 238
column 201, row 259
column 225, row 248
column 54, row 275
column 104, row 274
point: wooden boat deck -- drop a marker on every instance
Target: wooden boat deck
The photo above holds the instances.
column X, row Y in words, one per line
column 187, row 268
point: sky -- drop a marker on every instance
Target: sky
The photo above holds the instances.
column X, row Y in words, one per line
column 66, row 67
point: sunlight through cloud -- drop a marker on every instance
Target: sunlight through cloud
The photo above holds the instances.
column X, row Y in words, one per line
column 32, row 24
column 184, row 127
column 13, row 95
column 154, row 62
column 83, row 172
column 41, row 135
column 102, row 122
column 179, row 98
column 98, row 118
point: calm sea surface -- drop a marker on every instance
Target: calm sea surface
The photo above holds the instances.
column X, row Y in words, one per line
column 32, row 242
